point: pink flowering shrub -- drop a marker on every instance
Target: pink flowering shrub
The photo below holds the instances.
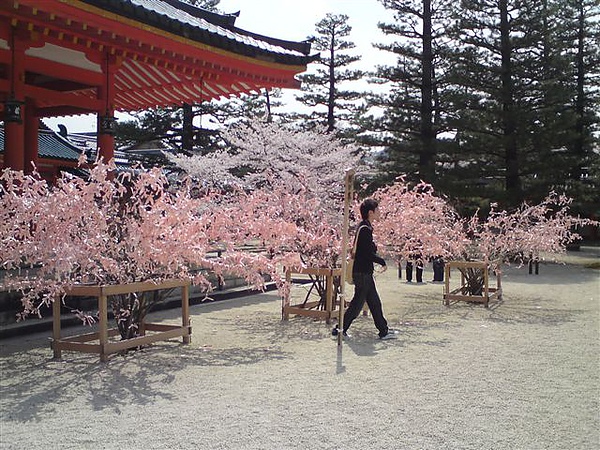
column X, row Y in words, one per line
column 290, row 182
column 110, row 230
column 288, row 189
column 417, row 224
column 525, row 233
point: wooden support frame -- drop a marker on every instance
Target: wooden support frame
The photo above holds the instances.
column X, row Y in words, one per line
column 461, row 294
column 98, row 342
column 308, row 308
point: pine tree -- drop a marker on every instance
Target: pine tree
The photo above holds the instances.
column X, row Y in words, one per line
column 413, row 114
column 582, row 27
column 513, row 97
column 332, row 104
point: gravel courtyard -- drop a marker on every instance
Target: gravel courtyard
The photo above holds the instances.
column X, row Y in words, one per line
column 523, row 374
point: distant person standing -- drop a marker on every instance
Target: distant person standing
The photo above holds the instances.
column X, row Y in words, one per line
column 438, row 268
column 362, row 274
column 415, row 260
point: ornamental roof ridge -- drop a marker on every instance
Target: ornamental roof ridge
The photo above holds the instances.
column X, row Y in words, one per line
column 187, row 20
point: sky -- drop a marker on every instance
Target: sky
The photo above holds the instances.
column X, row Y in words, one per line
column 289, row 20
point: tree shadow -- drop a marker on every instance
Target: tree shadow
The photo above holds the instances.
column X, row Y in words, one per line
column 34, row 384
column 139, row 377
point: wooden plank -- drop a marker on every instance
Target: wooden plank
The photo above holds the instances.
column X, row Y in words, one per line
column 307, row 305
column 90, row 336
column 466, row 298
column 98, row 290
column 161, row 327
column 113, row 347
column 309, row 313
column 77, row 346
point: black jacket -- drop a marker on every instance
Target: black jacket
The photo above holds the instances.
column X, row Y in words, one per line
column 366, row 250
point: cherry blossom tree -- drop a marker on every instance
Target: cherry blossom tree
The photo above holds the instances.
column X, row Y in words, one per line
column 111, row 230
column 261, row 154
column 416, row 224
column 527, row 232
column 521, row 235
column 288, row 188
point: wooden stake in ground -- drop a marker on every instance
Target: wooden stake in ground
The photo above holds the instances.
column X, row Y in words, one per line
column 348, row 194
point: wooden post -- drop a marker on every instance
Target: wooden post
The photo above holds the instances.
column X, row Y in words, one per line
column 447, row 284
column 486, row 288
column 285, row 315
column 348, row 188
column 185, row 311
column 56, row 327
column 103, row 326
column 329, row 294
column 499, row 283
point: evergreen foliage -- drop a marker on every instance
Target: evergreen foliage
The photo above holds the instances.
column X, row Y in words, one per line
column 510, row 109
column 333, row 106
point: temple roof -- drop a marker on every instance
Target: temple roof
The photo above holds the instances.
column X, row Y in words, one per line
column 207, row 27
column 161, row 53
column 51, row 146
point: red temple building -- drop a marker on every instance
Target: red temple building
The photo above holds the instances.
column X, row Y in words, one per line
column 69, row 57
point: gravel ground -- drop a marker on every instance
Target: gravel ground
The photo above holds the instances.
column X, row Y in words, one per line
column 523, row 374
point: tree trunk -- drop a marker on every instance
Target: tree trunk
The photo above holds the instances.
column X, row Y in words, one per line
column 579, row 144
column 512, row 177
column 427, row 153
column 331, row 99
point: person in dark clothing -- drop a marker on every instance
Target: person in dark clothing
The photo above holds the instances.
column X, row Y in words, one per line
column 362, row 274
column 409, row 271
column 438, row 268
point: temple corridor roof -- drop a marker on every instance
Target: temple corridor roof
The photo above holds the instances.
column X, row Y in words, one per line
column 160, row 52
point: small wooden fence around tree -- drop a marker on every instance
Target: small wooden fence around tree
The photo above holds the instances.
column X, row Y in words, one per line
column 465, row 292
column 98, row 342
column 323, row 308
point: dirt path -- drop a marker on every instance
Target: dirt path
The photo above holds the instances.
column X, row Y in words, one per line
column 523, row 374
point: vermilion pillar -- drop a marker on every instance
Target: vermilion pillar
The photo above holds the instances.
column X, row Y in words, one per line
column 32, row 125
column 106, row 119
column 14, row 143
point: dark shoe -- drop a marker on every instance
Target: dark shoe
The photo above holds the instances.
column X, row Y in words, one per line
column 336, row 331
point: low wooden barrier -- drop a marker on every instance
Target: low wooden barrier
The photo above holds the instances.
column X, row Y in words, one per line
column 102, row 346
column 461, row 293
column 328, row 310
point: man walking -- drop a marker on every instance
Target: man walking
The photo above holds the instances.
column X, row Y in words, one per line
column 362, row 274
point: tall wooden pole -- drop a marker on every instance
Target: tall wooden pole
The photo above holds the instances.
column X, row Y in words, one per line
column 348, row 193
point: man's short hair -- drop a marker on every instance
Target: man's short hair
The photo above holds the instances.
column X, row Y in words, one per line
column 369, row 204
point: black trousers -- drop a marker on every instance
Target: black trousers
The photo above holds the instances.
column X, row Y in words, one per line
column 365, row 291
column 409, row 271
column 438, row 269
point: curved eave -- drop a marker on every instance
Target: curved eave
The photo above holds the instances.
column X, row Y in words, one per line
column 223, row 36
